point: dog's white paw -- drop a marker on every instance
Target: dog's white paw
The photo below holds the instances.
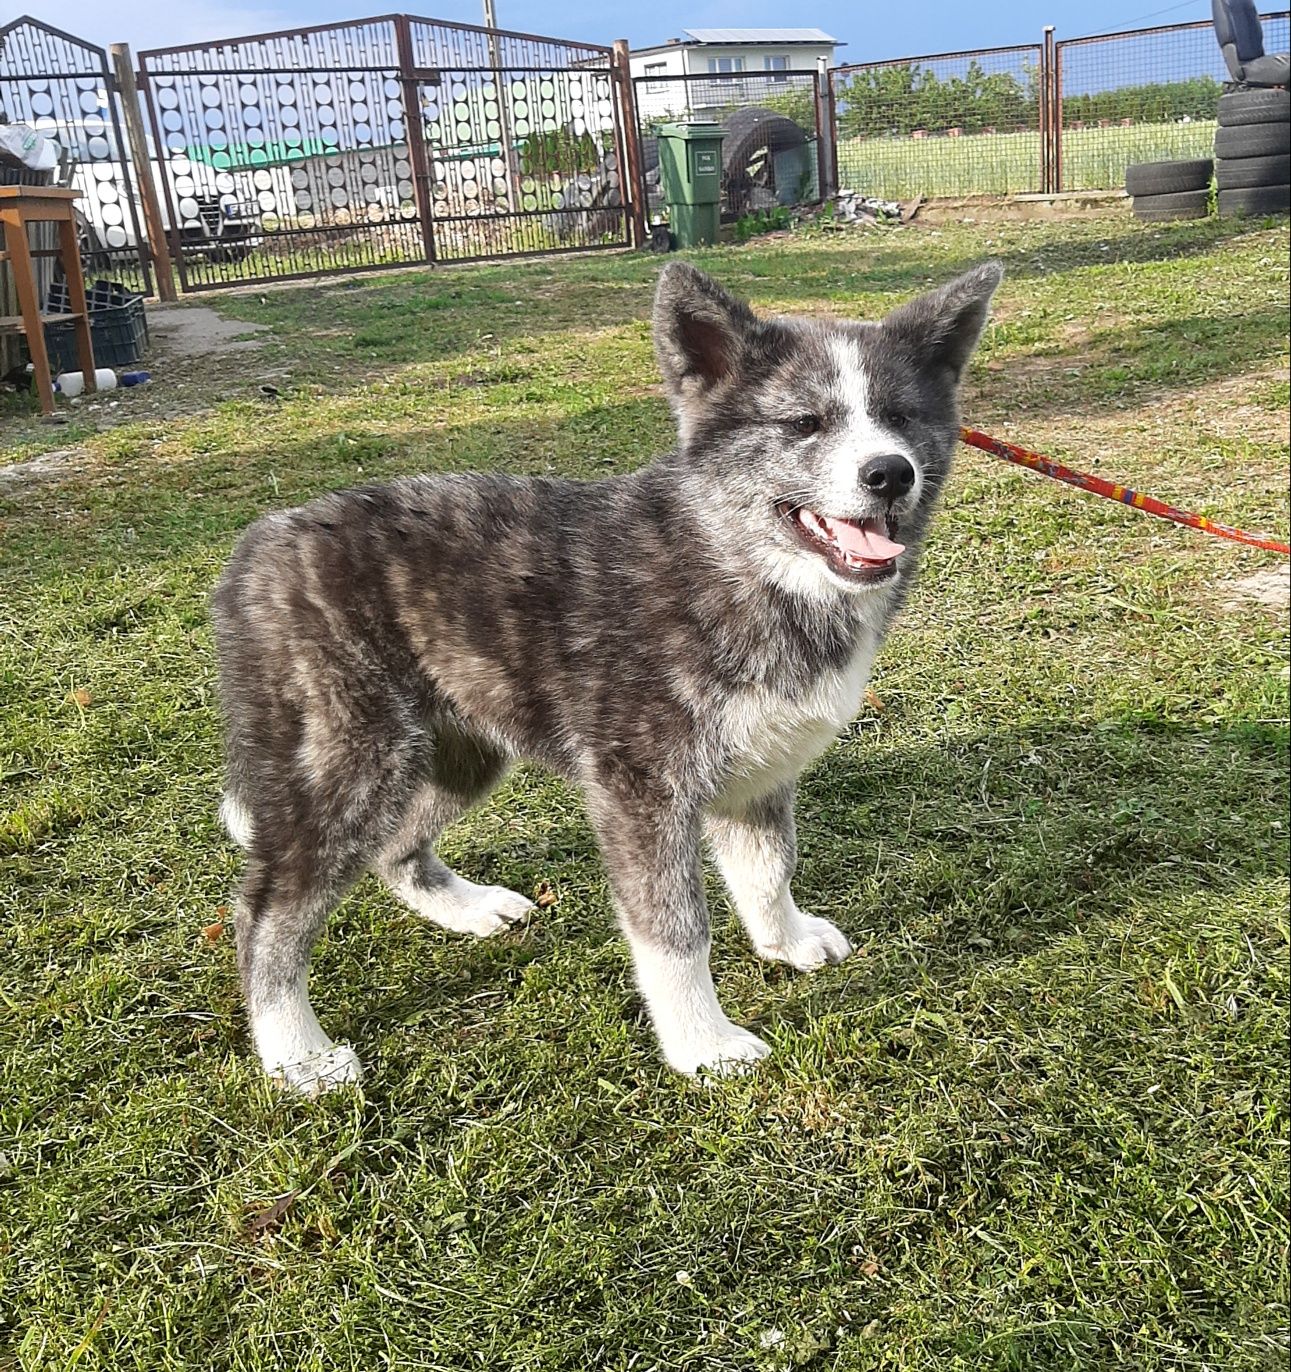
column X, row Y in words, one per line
column 465, row 908
column 326, row 1070
column 812, row 943
column 487, row 910
column 725, row 1051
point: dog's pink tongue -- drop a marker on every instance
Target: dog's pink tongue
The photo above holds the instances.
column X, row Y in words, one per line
column 862, row 540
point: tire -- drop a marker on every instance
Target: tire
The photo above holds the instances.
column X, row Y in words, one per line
column 1256, row 200
column 754, row 127
column 1239, row 108
column 1254, row 140
column 94, row 254
column 1160, row 209
column 1241, row 173
column 650, row 153
column 1165, row 178
column 748, row 132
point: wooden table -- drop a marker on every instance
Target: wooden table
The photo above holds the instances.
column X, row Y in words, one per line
column 20, row 206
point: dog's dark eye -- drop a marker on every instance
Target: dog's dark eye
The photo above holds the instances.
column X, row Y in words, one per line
column 894, row 419
column 806, row 425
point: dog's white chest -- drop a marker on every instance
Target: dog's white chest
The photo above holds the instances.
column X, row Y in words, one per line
column 770, row 737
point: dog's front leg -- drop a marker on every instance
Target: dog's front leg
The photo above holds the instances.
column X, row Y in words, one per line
column 756, row 849
column 651, row 848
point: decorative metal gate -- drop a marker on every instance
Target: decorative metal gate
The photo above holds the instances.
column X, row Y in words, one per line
column 283, row 154
column 356, row 146
column 64, row 88
column 522, row 142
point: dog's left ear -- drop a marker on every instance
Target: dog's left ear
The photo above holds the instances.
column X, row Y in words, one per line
column 699, row 331
column 943, row 326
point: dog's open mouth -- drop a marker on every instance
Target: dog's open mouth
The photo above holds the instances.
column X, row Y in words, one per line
column 863, row 549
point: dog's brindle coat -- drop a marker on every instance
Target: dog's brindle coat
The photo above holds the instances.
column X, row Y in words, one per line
column 680, row 642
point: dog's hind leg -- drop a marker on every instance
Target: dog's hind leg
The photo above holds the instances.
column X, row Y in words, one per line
column 281, row 911
column 756, row 850
column 465, row 769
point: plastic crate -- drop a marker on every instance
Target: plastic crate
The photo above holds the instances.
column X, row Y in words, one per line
column 118, row 327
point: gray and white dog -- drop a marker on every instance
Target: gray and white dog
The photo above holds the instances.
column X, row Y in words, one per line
column 708, row 625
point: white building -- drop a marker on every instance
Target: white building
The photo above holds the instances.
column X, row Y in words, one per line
column 726, row 67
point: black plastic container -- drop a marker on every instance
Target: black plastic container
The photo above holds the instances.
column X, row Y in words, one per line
column 118, row 327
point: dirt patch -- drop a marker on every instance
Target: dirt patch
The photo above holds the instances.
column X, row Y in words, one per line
column 195, row 356
column 48, row 466
column 1271, row 588
column 197, row 331
column 985, row 209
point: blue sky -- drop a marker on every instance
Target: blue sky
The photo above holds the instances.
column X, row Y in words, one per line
column 870, row 30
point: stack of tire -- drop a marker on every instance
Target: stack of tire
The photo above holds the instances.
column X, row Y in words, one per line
column 1170, row 190
column 1253, row 151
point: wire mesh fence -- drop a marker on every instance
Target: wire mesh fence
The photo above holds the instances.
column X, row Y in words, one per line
column 771, row 149
column 63, row 88
column 1068, row 115
column 1143, row 96
column 964, row 123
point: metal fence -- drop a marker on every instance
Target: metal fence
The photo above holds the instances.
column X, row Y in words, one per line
column 1140, row 96
column 524, row 144
column 400, row 139
column 772, row 151
column 377, row 142
column 1049, row 116
column 63, row 87
column 962, row 123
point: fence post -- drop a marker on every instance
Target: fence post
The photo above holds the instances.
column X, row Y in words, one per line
column 1042, row 112
column 632, row 174
column 1052, row 120
column 158, row 248
column 421, row 174
column 826, row 131
column 509, row 169
column 1057, row 115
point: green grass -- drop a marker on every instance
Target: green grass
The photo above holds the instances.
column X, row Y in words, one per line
column 1037, row 1122
column 1005, row 163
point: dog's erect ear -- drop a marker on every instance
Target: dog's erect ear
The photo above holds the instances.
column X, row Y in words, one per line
column 699, row 330
column 943, row 326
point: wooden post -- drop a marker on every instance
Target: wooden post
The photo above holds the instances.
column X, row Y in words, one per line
column 631, row 175
column 69, row 255
column 158, row 248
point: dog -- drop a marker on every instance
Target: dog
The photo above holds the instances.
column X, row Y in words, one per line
column 709, row 622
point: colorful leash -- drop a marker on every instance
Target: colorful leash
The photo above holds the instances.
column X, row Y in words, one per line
column 1048, row 467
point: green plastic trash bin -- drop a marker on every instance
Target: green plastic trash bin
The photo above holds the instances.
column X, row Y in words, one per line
column 690, row 169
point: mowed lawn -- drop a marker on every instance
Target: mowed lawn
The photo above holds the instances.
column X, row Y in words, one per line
column 1038, row 1121
column 1003, row 163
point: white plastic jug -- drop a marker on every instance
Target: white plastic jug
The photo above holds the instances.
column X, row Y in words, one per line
column 73, row 383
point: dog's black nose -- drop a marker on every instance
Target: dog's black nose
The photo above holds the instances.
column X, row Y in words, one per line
column 890, row 476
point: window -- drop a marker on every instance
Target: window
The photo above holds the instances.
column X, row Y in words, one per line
column 725, row 65
column 776, row 64
column 653, row 71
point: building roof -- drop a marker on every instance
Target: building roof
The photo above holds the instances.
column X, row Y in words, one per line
column 698, row 38
column 758, row 36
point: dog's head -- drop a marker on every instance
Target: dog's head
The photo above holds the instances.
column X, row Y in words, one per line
column 821, row 444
